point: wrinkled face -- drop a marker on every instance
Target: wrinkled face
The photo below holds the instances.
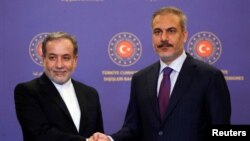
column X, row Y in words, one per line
column 168, row 37
column 59, row 62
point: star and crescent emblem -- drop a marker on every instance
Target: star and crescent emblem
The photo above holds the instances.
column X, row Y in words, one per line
column 205, row 46
column 124, row 49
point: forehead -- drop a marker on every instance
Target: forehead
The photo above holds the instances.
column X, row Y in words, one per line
column 166, row 20
column 61, row 45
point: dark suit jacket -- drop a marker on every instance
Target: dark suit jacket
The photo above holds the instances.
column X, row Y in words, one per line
column 43, row 115
column 200, row 98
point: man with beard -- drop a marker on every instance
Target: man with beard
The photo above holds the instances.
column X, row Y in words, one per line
column 55, row 107
column 177, row 98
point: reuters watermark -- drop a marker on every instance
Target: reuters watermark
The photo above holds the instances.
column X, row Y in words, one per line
column 242, row 132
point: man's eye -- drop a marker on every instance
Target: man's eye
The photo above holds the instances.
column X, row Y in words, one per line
column 171, row 30
column 52, row 57
column 66, row 58
column 157, row 32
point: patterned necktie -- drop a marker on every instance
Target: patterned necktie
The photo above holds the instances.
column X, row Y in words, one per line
column 164, row 92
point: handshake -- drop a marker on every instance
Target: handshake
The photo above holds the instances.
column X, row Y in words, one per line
column 99, row 137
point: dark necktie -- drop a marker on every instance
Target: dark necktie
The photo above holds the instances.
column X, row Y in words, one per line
column 164, row 93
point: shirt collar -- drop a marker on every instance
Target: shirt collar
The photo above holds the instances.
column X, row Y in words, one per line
column 176, row 64
column 64, row 85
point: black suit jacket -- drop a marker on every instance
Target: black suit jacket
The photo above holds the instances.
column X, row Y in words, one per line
column 43, row 115
column 200, row 98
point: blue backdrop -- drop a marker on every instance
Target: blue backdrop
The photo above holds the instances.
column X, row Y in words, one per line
column 97, row 25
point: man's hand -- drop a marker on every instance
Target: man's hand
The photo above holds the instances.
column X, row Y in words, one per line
column 99, row 137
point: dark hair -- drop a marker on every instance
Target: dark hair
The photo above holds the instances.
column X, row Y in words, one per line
column 59, row 35
column 173, row 10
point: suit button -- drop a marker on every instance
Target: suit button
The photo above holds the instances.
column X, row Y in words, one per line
column 160, row 133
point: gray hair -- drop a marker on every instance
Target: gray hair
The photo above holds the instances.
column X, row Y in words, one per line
column 59, row 35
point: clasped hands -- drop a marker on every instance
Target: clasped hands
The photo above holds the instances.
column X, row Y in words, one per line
column 99, row 137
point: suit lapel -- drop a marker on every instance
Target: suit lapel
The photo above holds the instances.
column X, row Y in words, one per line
column 152, row 79
column 183, row 82
column 52, row 92
column 81, row 101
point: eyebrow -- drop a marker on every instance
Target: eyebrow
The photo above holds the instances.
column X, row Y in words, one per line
column 164, row 29
column 59, row 54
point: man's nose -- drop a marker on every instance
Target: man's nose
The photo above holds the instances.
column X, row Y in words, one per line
column 59, row 62
column 164, row 36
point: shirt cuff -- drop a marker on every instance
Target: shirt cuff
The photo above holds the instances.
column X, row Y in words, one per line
column 111, row 139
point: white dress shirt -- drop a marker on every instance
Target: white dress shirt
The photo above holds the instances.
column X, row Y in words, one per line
column 68, row 95
column 176, row 65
